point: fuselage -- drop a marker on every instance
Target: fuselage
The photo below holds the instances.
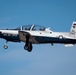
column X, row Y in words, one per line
column 39, row 36
column 10, row 35
column 36, row 34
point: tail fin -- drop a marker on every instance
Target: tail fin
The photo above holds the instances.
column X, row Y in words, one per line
column 73, row 29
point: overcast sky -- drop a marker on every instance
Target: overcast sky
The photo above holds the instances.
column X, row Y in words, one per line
column 44, row 59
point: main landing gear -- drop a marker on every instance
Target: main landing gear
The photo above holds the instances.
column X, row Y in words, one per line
column 28, row 47
column 28, row 44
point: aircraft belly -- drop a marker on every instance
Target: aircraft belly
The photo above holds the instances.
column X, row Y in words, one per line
column 53, row 40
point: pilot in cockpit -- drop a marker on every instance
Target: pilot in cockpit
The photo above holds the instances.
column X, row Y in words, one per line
column 27, row 28
column 42, row 29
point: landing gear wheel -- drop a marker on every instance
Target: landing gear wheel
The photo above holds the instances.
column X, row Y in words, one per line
column 29, row 47
column 60, row 37
column 5, row 46
column 26, row 47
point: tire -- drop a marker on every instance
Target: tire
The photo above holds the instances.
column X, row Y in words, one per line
column 5, row 46
column 60, row 37
column 26, row 47
column 29, row 47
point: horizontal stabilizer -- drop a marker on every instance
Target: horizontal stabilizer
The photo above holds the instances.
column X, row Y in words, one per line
column 69, row 45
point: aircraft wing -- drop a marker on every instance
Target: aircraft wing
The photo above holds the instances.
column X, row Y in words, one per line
column 23, row 34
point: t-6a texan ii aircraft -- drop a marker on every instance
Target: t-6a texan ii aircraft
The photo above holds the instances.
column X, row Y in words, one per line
column 36, row 34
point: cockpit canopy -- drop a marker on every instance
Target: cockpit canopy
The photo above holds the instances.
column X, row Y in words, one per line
column 31, row 27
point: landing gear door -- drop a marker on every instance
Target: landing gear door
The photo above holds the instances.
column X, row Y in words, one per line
column 22, row 37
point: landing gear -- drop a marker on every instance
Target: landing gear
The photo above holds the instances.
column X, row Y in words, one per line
column 5, row 46
column 28, row 47
column 28, row 44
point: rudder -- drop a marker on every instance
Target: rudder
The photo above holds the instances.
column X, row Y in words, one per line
column 73, row 29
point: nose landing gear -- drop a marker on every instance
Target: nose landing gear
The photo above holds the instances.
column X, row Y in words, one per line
column 5, row 46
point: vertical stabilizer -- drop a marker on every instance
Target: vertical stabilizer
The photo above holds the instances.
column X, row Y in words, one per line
column 73, row 29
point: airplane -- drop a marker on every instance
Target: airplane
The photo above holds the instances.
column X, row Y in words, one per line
column 36, row 34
